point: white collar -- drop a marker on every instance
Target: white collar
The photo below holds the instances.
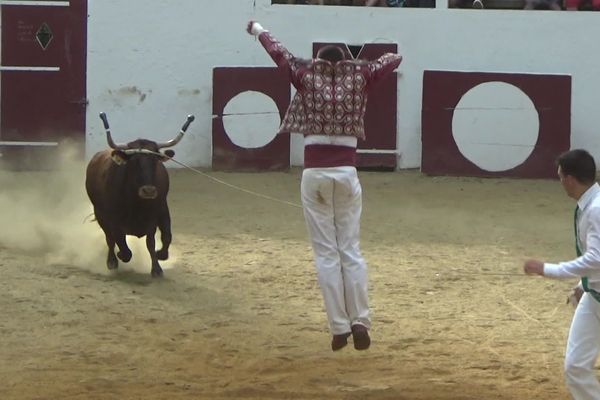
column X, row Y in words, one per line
column 587, row 197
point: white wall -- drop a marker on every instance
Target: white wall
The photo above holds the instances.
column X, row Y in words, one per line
column 150, row 61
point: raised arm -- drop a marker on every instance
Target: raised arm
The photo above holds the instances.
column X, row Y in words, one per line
column 383, row 66
column 282, row 57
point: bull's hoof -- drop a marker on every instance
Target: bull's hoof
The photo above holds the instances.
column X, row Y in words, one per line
column 124, row 256
column 162, row 254
column 157, row 272
column 112, row 263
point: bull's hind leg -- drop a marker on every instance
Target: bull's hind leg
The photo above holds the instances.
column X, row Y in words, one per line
column 124, row 253
column 150, row 245
column 165, row 236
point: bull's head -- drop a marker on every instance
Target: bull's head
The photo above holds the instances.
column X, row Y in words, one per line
column 142, row 158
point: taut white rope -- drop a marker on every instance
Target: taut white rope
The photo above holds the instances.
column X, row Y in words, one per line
column 264, row 196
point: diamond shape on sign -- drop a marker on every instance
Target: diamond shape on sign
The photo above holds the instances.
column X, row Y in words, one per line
column 44, row 35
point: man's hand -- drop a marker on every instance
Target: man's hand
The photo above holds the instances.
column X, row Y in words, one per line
column 534, row 267
column 575, row 296
column 254, row 28
column 249, row 27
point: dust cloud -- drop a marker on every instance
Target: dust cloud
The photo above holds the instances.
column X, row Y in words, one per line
column 47, row 213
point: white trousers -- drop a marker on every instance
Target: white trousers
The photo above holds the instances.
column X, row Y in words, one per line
column 332, row 200
column 583, row 348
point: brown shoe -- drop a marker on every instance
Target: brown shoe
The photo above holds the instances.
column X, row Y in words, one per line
column 360, row 336
column 339, row 341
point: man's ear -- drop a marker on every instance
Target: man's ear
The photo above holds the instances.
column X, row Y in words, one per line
column 119, row 157
column 168, row 154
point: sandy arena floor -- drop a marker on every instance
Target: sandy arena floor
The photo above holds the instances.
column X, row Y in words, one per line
column 239, row 314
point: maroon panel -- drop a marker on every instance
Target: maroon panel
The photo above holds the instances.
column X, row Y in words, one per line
column 377, row 161
column 44, row 106
column 228, row 82
column 442, row 90
column 381, row 114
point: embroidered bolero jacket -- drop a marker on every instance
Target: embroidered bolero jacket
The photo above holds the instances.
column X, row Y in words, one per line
column 331, row 99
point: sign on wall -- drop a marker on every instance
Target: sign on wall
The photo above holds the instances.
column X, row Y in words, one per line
column 248, row 106
column 494, row 124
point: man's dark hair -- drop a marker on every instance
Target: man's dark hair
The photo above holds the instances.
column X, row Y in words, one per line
column 579, row 164
column 331, row 53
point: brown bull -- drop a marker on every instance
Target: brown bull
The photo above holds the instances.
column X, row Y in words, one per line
column 128, row 186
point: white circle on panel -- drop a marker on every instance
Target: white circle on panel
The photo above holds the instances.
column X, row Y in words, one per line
column 251, row 119
column 495, row 125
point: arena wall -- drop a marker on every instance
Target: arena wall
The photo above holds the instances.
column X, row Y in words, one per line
column 150, row 62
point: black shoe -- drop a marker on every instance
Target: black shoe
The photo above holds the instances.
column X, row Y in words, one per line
column 339, row 341
column 360, row 336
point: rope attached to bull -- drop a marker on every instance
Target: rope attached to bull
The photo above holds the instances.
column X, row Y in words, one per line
column 168, row 156
column 264, row 196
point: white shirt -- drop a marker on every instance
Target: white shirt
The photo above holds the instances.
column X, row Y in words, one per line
column 589, row 243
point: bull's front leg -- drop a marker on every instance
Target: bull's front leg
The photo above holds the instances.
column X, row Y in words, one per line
column 107, row 228
column 111, row 259
column 164, row 224
column 124, row 253
column 150, row 245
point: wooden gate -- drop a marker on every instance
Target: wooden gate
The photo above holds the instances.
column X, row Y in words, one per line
column 42, row 79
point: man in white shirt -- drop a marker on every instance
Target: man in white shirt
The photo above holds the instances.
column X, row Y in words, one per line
column 577, row 173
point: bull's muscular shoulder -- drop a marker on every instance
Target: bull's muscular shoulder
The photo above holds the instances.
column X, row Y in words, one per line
column 99, row 158
column 98, row 170
column 100, row 164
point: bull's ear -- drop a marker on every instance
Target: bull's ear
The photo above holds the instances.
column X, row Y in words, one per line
column 119, row 157
column 169, row 154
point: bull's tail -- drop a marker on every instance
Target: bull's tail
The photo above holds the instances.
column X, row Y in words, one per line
column 89, row 215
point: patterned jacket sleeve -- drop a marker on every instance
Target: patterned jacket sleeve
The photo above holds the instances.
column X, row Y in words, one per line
column 282, row 57
column 383, row 66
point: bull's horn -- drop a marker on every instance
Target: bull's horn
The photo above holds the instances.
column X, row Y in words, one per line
column 108, row 136
column 112, row 144
column 177, row 138
column 171, row 142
